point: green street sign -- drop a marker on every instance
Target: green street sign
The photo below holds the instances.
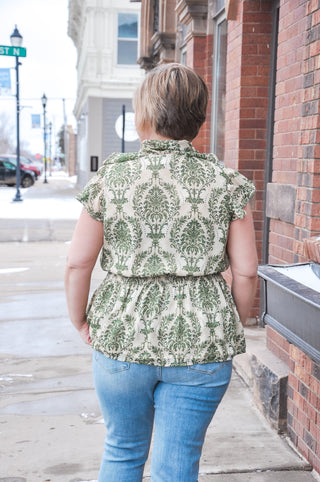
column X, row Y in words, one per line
column 13, row 51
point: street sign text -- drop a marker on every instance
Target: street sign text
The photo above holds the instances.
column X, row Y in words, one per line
column 13, row 51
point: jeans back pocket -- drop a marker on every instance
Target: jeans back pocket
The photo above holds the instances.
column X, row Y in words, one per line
column 110, row 365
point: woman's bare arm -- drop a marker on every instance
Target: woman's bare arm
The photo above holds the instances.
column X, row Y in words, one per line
column 85, row 246
column 242, row 253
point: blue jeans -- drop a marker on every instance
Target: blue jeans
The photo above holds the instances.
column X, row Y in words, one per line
column 179, row 401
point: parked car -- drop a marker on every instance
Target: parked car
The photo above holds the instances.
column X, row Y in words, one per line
column 24, row 163
column 8, row 175
column 38, row 164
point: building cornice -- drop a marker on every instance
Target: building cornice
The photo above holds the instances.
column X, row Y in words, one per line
column 108, row 89
column 75, row 20
column 147, row 63
column 193, row 13
column 164, row 44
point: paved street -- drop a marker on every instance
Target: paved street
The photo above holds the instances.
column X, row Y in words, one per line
column 50, row 424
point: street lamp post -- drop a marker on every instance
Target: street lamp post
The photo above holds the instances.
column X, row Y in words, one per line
column 50, row 149
column 16, row 41
column 44, row 104
column 123, row 126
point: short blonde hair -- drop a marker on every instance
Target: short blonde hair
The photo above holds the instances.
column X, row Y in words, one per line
column 172, row 100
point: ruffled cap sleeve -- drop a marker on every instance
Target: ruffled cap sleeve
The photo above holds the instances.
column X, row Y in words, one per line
column 241, row 191
column 92, row 196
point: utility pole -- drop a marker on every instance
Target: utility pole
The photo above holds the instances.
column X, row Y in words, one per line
column 65, row 135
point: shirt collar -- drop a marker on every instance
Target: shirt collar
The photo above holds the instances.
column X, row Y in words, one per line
column 155, row 146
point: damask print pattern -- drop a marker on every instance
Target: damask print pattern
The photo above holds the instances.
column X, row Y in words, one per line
column 166, row 212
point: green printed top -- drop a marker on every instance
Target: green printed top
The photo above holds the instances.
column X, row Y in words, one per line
column 166, row 212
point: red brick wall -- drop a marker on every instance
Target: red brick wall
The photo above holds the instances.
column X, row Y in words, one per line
column 296, row 158
column 296, row 153
column 307, row 219
column 281, row 241
column 248, row 68
column 303, row 397
column 296, row 135
column 247, row 98
column 199, row 57
column 233, row 93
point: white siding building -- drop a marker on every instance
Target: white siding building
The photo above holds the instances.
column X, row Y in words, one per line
column 106, row 35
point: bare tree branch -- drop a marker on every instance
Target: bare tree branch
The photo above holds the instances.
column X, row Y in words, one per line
column 7, row 132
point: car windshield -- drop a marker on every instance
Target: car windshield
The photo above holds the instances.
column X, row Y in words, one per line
column 8, row 165
column 12, row 160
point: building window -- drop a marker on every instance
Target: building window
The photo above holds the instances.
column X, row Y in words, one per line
column 183, row 44
column 219, row 5
column 127, row 38
column 155, row 16
column 183, row 60
column 219, row 86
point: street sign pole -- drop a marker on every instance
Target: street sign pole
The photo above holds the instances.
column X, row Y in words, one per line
column 16, row 52
column 18, row 172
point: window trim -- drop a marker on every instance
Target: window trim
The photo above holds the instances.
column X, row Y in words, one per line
column 183, row 45
column 218, row 20
column 137, row 39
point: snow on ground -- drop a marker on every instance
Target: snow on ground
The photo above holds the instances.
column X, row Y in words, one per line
column 55, row 200
column 303, row 274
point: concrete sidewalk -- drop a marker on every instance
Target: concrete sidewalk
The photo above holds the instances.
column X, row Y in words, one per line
column 50, row 423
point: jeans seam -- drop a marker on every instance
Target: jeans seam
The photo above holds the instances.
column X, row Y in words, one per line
column 208, row 372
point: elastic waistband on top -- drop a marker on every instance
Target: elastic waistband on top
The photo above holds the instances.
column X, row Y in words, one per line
column 164, row 278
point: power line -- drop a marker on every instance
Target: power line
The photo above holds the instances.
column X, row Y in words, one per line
column 36, row 98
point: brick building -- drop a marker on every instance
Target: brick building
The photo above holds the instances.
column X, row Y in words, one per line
column 261, row 61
